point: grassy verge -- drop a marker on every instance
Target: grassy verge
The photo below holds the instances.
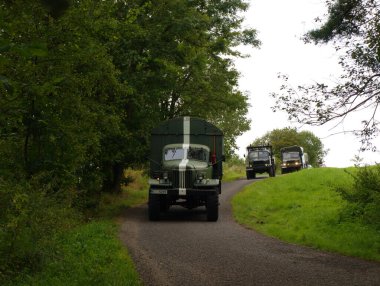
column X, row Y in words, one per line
column 304, row 208
column 134, row 193
column 88, row 255
column 91, row 254
column 233, row 170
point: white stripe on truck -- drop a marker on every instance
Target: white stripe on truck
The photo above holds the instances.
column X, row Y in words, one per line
column 183, row 164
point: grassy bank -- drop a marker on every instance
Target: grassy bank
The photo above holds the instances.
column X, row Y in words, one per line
column 233, row 169
column 305, row 208
column 91, row 253
column 88, row 255
column 134, row 193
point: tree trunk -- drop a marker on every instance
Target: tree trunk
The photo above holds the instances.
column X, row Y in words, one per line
column 115, row 174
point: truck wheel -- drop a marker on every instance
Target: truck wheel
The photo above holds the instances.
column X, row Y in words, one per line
column 271, row 172
column 164, row 204
column 212, row 207
column 253, row 176
column 154, row 207
column 248, row 175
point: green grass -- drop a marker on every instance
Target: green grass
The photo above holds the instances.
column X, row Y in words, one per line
column 91, row 254
column 304, row 208
column 88, row 255
column 134, row 193
column 233, row 171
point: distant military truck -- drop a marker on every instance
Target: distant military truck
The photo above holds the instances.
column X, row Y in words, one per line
column 259, row 159
column 293, row 159
column 186, row 166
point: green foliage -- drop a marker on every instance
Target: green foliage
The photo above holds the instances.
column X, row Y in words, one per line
column 82, row 83
column 177, row 59
column 87, row 255
column 363, row 196
column 135, row 192
column 233, row 169
column 60, row 109
column 30, row 221
column 43, row 242
column 339, row 22
column 280, row 138
column 304, row 208
column 82, row 89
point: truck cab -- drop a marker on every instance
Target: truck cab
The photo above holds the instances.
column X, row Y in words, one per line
column 260, row 159
column 293, row 159
column 184, row 169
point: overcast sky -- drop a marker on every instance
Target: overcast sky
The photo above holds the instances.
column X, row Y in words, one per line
column 280, row 25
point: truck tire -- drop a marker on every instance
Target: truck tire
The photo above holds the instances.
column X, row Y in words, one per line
column 253, row 175
column 271, row 172
column 154, row 207
column 248, row 175
column 164, row 204
column 212, row 207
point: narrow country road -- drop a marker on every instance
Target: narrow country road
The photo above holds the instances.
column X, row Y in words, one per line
column 185, row 249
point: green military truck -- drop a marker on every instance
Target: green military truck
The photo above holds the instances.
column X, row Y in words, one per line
column 185, row 166
column 259, row 159
column 293, row 159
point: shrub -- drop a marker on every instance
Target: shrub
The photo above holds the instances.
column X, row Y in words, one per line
column 364, row 195
column 30, row 220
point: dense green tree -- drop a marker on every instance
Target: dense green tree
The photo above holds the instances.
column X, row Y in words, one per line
column 88, row 80
column 65, row 92
column 352, row 26
column 175, row 58
column 313, row 147
column 279, row 138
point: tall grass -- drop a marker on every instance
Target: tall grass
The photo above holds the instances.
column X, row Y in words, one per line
column 135, row 192
column 233, row 169
column 305, row 208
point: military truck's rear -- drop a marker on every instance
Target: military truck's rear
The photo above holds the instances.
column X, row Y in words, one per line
column 186, row 166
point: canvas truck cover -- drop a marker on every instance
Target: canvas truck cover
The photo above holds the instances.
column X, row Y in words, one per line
column 186, row 130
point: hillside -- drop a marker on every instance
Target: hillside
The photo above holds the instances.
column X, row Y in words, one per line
column 306, row 208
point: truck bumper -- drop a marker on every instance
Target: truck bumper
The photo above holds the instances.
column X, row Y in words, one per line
column 291, row 169
column 206, row 186
column 258, row 169
column 182, row 192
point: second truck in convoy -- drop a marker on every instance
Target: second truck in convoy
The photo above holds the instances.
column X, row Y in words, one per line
column 259, row 159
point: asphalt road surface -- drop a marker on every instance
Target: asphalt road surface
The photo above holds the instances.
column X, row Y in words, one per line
column 185, row 249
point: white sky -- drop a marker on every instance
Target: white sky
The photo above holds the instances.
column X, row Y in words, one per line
column 280, row 25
